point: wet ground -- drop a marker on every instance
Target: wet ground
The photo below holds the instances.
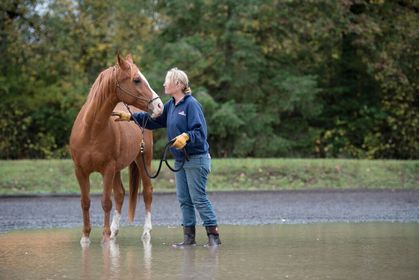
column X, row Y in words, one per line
column 265, row 235
column 237, row 208
column 311, row 251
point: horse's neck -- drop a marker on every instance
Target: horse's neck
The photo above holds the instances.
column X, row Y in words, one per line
column 102, row 100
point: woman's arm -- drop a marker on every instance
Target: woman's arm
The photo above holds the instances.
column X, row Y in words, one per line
column 144, row 119
column 197, row 127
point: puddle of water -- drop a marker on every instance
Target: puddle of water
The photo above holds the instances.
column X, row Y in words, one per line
column 314, row 251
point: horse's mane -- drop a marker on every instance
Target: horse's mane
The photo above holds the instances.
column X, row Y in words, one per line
column 104, row 82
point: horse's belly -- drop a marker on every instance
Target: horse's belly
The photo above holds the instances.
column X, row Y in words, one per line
column 128, row 142
column 96, row 154
column 98, row 161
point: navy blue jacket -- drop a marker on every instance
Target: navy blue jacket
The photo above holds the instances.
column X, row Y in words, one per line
column 186, row 116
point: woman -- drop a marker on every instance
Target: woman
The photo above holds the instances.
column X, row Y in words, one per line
column 185, row 123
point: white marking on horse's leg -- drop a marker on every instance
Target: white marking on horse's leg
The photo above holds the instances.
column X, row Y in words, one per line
column 115, row 224
column 85, row 242
column 147, row 227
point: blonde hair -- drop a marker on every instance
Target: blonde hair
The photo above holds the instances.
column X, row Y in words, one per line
column 176, row 75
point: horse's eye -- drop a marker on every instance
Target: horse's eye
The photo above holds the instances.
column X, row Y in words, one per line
column 137, row 81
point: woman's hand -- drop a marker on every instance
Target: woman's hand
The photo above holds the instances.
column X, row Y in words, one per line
column 122, row 116
column 180, row 141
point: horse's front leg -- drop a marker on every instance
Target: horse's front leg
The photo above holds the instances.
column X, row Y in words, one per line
column 84, row 184
column 118, row 193
column 108, row 180
column 148, row 199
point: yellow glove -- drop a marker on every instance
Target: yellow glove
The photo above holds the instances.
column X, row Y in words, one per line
column 180, row 141
column 122, row 116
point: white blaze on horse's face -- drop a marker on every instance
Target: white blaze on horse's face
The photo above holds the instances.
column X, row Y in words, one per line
column 156, row 106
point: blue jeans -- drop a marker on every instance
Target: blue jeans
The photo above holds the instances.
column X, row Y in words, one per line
column 191, row 183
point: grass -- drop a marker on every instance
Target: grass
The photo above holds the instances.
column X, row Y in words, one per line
column 56, row 176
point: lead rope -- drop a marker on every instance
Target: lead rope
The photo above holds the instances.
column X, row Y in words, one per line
column 164, row 154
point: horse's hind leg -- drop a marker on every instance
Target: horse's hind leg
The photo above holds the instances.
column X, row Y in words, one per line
column 84, row 184
column 118, row 194
column 148, row 199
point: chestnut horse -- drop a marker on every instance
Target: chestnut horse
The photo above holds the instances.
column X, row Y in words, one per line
column 99, row 144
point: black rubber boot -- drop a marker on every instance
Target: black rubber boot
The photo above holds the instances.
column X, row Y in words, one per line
column 188, row 237
column 213, row 236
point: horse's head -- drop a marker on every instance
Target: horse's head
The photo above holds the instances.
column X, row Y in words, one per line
column 134, row 89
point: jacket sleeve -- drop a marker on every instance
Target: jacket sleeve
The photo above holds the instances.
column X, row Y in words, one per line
column 197, row 127
column 143, row 118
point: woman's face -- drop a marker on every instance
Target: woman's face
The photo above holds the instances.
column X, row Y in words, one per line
column 170, row 87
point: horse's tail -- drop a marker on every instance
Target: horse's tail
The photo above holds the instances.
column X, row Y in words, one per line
column 134, row 183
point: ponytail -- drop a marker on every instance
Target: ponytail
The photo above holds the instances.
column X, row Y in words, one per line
column 187, row 90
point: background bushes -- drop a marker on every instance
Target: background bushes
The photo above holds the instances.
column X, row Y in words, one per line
column 276, row 78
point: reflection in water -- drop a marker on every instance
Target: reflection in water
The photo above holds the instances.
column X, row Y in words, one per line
column 111, row 260
column 320, row 251
column 114, row 256
column 86, row 263
column 199, row 263
column 188, row 265
column 147, row 259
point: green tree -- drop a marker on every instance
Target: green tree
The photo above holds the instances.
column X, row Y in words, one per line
column 276, row 78
column 234, row 50
column 53, row 52
column 372, row 107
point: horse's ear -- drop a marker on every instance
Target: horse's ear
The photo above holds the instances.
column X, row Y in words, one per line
column 129, row 58
column 122, row 63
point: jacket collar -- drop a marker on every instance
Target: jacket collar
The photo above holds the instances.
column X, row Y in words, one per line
column 182, row 100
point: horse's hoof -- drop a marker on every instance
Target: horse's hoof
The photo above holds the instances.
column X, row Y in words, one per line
column 85, row 242
column 106, row 239
column 146, row 237
column 114, row 233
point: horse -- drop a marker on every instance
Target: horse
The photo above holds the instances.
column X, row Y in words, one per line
column 99, row 144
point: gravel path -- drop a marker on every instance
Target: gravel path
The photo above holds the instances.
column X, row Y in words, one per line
column 242, row 208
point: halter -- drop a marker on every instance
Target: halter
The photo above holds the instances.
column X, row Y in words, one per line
column 149, row 101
